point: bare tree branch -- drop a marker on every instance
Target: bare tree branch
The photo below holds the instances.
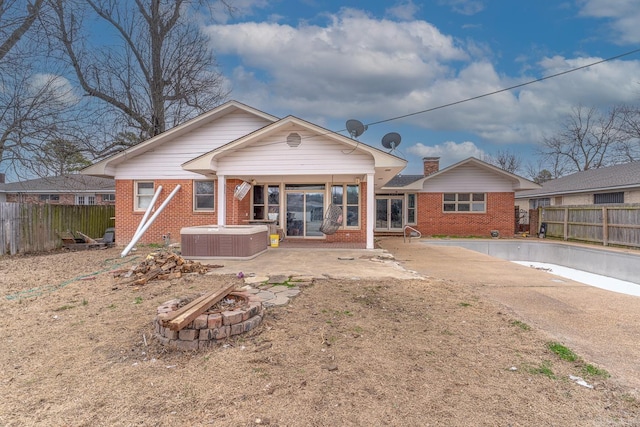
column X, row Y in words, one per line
column 22, row 24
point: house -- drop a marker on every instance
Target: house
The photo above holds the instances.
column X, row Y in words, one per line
column 71, row 189
column 292, row 171
column 469, row 198
column 611, row 185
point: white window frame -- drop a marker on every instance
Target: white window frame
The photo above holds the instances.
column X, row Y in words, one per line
column 137, row 195
column 414, row 208
column 469, row 199
column 212, row 195
column 108, row 197
column 270, row 210
column 344, row 205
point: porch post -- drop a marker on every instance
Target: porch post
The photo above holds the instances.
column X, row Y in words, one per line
column 222, row 200
column 371, row 204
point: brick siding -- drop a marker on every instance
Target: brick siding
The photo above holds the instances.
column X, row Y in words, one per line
column 432, row 221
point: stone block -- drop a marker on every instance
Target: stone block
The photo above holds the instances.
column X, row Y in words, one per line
column 204, row 334
column 188, row 335
column 255, row 308
column 172, row 335
column 237, row 329
column 214, row 321
column 231, row 317
column 201, row 322
column 221, row 333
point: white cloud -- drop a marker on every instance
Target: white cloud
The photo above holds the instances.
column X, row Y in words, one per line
column 357, row 66
column 464, row 7
column 624, row 16
column 404, row 11
column 53, row 87
column 449, row 152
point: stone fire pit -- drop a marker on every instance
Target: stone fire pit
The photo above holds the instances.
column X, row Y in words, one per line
column 237, row 313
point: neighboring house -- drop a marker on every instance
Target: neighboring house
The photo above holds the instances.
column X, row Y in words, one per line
column 72, row 189
column 611, row 185
column 295, row 170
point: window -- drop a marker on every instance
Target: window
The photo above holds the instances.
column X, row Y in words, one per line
column 108, row 197
column 266, row 202
column 604, row 198
column 49, row 197
column 143, row 195
column 537, row 203
column 348, row 198
column 85, row 200
column 464, row 202
column 204, row 195
column 411, row 209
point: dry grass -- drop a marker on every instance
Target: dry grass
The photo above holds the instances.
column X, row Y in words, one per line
column 348, row 353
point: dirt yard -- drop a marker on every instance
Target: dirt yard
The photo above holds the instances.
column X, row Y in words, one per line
column 77, row 349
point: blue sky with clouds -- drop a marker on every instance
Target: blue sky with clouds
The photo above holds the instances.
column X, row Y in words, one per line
column 329, row 61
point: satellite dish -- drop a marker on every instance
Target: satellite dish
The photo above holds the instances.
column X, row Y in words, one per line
column 391, row 140
column 241, row 190
column 355, row 128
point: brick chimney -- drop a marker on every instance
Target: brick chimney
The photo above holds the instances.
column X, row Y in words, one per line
column 431, row 165
column 2, row 178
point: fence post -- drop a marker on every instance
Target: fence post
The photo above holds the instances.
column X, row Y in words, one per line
column 605, row 226
column 566, row 224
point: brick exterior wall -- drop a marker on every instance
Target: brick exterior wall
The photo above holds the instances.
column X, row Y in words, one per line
column 179, row 213
column 432, row 221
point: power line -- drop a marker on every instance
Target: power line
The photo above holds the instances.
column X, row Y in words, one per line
column 473, row 98
column 505, row 89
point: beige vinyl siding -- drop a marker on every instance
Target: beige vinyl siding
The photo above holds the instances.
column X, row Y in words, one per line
column 314, row 156
column 468, row 179
column 165, row 160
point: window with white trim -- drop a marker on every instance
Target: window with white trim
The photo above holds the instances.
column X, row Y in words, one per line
column 464, row 202
column 203, row 195
column 85, row 200
column 143, row 194
column 412, row 218
column 266, row 202
column 347, row 196
column 108, row 197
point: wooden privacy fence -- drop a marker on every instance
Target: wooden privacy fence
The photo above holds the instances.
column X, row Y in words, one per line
column 28, row 228
column 608, row 225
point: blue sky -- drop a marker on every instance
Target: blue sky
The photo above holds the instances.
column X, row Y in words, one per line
column 328, row 61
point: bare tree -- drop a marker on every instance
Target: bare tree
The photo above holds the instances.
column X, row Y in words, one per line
column 506, row 160
column 16, row 18
column 587, row 140
column 34, row 109
column 629, row 150
column 156, row 71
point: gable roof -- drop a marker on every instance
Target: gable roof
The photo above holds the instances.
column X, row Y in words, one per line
column 415, row 182
column 99, row 168
column 616, row 177
column 386, row 165
column 71, row 183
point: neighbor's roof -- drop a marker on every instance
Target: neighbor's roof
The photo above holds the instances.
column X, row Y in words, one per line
column 72, row 183
column 616, row 177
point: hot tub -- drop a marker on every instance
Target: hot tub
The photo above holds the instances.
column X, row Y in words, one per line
column 223, row 241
